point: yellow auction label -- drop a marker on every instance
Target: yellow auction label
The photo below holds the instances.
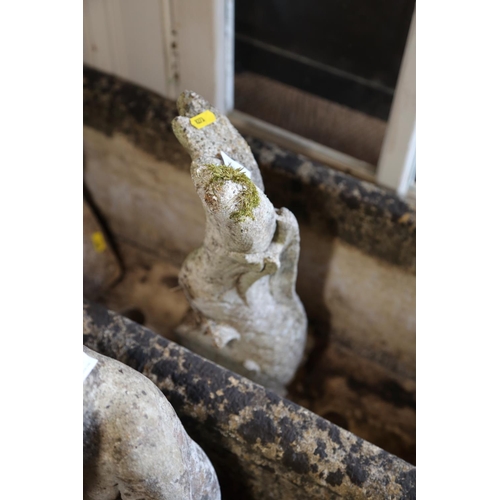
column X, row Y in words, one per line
column 203, row 119
column 99, row 242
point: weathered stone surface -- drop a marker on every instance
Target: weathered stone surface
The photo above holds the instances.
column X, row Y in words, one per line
column 263, row 446
column 134, row 445
column 100, row 266
column 246, row 314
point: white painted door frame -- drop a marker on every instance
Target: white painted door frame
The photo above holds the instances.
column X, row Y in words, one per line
column 164, row 45
column 204, row 40
column 397, row 163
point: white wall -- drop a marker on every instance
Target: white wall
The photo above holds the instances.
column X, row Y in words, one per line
column 125, row 37
column 164, row 45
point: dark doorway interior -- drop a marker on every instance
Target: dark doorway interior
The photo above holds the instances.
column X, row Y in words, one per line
column 339, row 51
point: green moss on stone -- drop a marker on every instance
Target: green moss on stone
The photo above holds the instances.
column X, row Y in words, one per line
column 248, row 198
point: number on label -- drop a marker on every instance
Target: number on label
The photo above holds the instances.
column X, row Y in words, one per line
column 203, row 119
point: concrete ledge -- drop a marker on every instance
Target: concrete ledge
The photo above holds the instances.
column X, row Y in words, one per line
column 361, row 214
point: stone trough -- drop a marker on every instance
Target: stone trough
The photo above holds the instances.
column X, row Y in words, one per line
column 262, row 446
column 356, row 279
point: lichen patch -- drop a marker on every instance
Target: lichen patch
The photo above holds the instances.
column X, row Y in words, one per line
column 247, row 199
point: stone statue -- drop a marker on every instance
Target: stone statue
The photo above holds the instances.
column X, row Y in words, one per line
column 134, row 445
column 245, row 313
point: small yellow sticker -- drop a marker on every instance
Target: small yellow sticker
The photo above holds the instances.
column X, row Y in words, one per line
column 203, row 119
column 99, row 242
